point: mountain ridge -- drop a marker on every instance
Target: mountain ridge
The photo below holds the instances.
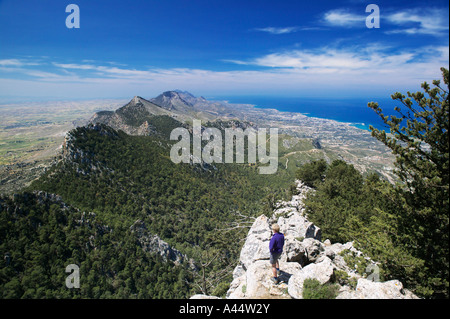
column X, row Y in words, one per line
column 337, row 140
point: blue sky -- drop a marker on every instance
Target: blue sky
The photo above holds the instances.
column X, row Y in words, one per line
column 219, row 48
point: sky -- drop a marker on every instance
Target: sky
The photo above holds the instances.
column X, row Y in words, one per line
column 320, row 49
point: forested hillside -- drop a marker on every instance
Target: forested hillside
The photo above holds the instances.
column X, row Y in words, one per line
column 114, row 179
column 41, row 236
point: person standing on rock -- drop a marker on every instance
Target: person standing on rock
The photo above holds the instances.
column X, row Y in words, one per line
column 276, row 248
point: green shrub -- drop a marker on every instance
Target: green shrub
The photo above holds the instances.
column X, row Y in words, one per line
column 313, row 289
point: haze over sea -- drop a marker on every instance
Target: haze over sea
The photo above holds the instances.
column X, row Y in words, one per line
column 347, row 110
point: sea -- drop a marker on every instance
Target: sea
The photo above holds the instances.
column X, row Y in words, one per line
column 348, row 110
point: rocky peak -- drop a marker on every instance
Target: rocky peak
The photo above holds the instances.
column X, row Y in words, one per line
column 135, row 103
column 136, row 100
column 172, row 100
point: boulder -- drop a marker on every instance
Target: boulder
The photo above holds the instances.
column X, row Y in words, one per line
column 256, row 246
column 256, row 283
column 322, row 271
column 293, row 250
column 313, row 248
column 258, row 279
column 367, row 289
column 294, row 224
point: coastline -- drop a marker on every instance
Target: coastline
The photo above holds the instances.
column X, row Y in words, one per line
column 343, row 111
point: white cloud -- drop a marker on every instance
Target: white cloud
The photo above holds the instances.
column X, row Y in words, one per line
column 274, row 30
column 423, row 21
column 16, row 63
column 321, row 59
column 10, row 62
column 410, row 21
column 312, row 72
column 343, row 18
column 106, row 70
column 327, row 59
column 75, row 66
column 123, row 72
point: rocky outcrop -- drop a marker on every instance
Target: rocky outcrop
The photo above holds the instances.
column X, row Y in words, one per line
column 305, row 256
column 78, row 157
column 153, row 244
column 200, row 296
column 367, row 289
column 255, row 247
column 322, row 271
column 132, row 118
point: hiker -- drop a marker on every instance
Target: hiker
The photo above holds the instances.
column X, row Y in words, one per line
column 276, row 248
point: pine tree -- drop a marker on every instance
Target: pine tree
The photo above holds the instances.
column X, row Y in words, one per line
column 419, row 139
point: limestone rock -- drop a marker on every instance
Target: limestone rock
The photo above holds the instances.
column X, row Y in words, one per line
column 321, row 271
column 200, row 296
column 293, row 250
column 298, row 196
column 256, row 246
column 238, row 288
column 153, row 244
column 367, row 289
column 313, row 248
column 258, row 279
column 256, row 282
column 293, row 223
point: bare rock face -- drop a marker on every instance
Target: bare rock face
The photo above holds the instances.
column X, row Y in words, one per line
column 291, row 218
column 367, row 289
column 257, row 242
column 304, row 256
column 153, row 244
column 256, row 283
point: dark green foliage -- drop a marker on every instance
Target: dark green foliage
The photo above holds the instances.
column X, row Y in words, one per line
column 339, row 197
column 164, row 124
column 40, row 236
column 420, row 140
column 312, row 173
column 367, row 211
column 161, row 125
column 403, row 226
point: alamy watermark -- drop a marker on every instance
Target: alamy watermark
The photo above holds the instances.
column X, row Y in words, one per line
column 73, row 280
column 373, row 272
column 73, row 19
column 212, row 152
column 373, row 19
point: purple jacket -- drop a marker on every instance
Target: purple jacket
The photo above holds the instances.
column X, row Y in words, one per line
column 276, row 243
